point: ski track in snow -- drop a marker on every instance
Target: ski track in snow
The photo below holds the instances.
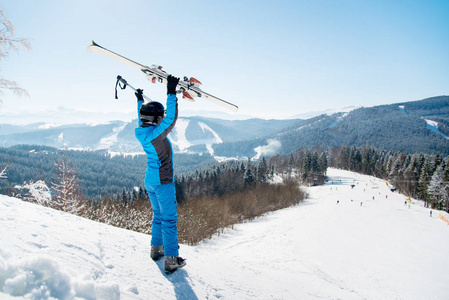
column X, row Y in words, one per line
column 216, row 140
column 339, row 120
column 179, row 139
column 368, row 246
column 110, row 139
column 402, row 109
column 433, row 126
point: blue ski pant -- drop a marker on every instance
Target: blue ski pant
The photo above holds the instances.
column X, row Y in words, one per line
column 164, row 231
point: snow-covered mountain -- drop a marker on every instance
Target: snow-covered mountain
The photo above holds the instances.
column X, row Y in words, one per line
column 63, row 116
column 190, row 135
column 411, row 127
column 417, row 126
column 343, row 242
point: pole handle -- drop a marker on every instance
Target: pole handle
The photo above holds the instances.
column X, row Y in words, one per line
column 125, row 83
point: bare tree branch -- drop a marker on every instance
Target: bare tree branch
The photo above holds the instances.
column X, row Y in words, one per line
column 13, row 86
column 7, row 40
column 9, row 43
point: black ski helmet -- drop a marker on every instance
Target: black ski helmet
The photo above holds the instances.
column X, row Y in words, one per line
column 152, row 112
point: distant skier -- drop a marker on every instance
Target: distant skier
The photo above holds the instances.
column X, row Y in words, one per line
column 154, row 126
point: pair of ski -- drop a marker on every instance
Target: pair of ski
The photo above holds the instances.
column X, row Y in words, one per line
column 188, row 87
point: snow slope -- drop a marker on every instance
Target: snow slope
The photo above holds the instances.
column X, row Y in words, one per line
column 433, row 126
column 367, row 246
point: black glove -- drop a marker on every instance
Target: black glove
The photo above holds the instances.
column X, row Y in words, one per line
column 172, row 82
column 139, row 94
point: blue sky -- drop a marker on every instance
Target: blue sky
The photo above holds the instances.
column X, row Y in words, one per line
column 273, row 59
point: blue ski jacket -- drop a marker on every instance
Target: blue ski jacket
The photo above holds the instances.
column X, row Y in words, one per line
column 157, row 146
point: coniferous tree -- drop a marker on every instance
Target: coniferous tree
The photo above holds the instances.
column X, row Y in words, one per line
column 395, row 171
column 436, row 191
column 124, row 197
column 142, row 194
column 315, row 166
column 423, row 181
column 262, row 171
column 135, row 196
column 446, row 183
column 306, row 165
column 249, row 176
column 354, row 159
column 411, row 176
column 390, row 159
column 323, row 165
column 435, row 162
column 345, row 157
column 291, row 165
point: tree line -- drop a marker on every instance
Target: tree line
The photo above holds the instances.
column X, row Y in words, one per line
column 97, row 173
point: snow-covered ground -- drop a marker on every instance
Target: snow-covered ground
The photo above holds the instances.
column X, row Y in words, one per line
column 368, row 246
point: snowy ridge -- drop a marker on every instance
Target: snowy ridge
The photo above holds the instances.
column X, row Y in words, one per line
column 47, row 125
column 368, row 246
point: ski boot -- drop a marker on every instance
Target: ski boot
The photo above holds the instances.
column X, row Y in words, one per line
column 157, row 252
column 172, row 263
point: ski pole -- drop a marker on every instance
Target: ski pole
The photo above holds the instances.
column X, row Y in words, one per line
column 125, row 84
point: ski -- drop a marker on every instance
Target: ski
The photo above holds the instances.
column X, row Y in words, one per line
column 189, row 87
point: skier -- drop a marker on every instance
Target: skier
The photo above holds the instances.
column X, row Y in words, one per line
column 154, row 126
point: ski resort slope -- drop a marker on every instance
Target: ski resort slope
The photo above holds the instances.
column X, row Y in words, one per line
column 368, row 246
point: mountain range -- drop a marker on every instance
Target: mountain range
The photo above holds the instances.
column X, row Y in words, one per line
column 415, row 126
column 191, row 134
